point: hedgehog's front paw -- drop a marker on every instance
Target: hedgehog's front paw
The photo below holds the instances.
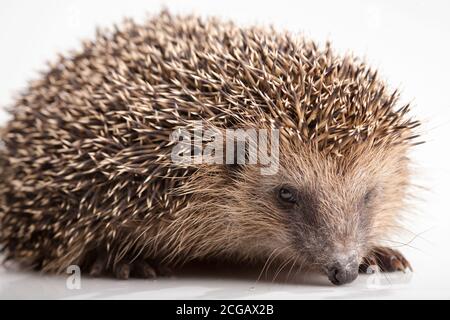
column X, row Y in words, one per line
column 387, row 259
column 125, row 269
column 139, row 269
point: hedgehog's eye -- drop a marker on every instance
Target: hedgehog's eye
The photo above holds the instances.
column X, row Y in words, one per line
column 286, row 195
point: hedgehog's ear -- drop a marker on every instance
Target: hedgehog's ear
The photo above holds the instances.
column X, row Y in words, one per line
column 234, row 169
column 240, row 149
column 235, row 160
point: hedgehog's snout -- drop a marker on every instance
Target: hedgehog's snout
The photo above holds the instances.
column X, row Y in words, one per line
column 343, row 269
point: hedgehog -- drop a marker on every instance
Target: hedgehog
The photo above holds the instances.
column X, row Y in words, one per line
column 87, row 170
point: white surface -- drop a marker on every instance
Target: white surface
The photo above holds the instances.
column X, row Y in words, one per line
column 407, row 40
column 219, row 284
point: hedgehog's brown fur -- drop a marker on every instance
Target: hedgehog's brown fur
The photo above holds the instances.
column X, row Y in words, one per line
column 86, row 167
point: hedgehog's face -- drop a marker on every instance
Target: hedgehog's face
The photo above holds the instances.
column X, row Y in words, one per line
column 329, row 225
column 327, row 212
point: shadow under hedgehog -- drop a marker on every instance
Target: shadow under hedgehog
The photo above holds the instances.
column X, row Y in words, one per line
column 86, row 175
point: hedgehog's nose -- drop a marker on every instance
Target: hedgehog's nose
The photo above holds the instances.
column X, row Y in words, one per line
column 343, row 270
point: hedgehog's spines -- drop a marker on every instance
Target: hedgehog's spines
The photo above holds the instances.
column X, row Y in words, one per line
column 88, row 154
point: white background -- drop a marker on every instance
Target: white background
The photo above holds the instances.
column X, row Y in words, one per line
column 408, row 41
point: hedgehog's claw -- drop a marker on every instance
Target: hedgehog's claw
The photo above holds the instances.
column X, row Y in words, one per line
column 139, row 268
column 142, row 269
column 98, row 267
column 387, row 259
column 122, row 270
column 164, row 271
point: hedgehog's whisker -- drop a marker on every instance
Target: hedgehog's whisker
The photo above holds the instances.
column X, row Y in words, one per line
column 265, row 264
